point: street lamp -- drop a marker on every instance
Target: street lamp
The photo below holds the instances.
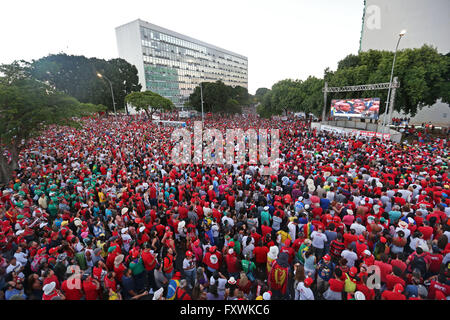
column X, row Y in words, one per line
column 400, row 35
column 201, row 95
column 112, row 93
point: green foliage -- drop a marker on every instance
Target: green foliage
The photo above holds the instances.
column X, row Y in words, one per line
column 219, row 98
column 149, row 102
column 259, row 94
column 422, row 73
column 77, row 76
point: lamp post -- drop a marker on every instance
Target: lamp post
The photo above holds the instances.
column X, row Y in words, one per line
column 112, row 93
column 400, row 35
column 201, row 96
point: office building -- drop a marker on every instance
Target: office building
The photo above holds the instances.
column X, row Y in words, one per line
column 172, row 64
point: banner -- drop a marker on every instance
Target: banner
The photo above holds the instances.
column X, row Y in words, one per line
column 367, row 108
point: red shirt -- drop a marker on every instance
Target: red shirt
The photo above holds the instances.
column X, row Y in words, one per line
column 399, row 264
column 392, row 280
column 90, row 290
column 349, row 238
column 336, row 285
column 390, row 295
column 71, row 294
column 261, row 254
column 149, row 260
column 385, row 269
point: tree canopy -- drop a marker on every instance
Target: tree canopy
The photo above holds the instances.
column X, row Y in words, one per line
column 149, row 102
column 423, row 74
column 219, row 98
column 27, row 107
column 77, row 76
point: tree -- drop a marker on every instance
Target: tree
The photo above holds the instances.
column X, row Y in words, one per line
column 27, row 107
column 149, row 102
column 216, row 97
column 260, row 92
column 77, row 76
column 421, row 73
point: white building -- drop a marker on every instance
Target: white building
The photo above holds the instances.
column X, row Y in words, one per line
column 172, row 64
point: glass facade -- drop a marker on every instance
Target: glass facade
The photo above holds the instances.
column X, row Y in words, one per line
column 174, row 66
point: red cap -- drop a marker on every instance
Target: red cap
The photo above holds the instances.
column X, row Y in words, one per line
column 212, row 249
column 361, row 238
column 135, row 253
column 308, row 281
column 383, row 240
column 398, row 288
column 231, row 244
column 188, row 254
column 177, row 275
column 353, row 271
column 327, row 257
column 197, row 242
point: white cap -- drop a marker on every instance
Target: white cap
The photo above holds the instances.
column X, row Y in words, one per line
column 158, row 293
column 124, row 230
column 359, row 295
column 48, row 288
column 266, row 296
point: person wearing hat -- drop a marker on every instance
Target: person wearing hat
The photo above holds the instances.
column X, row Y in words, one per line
column 325, row 269
column 173, row 285
column 50, row 292
column 212, row 259
column 395, row 294
column 119, row 267
column 189, row 268
column 303, row 290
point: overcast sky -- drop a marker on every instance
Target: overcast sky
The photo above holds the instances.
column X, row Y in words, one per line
column 281, row 38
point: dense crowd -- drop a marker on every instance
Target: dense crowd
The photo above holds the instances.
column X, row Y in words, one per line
column 102, row 213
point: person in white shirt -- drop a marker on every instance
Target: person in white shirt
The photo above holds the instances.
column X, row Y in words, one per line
column 292, row 226
column 350, row 256
column 13, row 265
column 20, row 256
column 358, row 227
column 303, row 290
column 318, row 242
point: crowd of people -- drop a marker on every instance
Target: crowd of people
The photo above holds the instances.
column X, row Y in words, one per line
column 101, row 212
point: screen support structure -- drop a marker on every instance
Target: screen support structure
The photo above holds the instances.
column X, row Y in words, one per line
column 363, row 87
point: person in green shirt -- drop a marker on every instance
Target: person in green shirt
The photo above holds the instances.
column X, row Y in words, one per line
column 303, row 248
column 248, row 267
column 265, row 216
column 52, row 209
column 137, row 269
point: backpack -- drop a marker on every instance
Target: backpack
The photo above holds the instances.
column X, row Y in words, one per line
column 350, row 286
column 418, row 262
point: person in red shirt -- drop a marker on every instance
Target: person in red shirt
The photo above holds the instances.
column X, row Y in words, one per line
column 393, row 278
column 438, row 284
column 232, row 263
column 395, row 294
column 149, row 260
column 119, row 267
column 290, row 251
column 72, row 288
column 260, row 253
column 385, row 267
column 91, row 288
column 336, row 286
column 350, row 237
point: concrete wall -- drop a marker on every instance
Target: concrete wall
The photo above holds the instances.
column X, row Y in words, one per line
column 426, row 22
column 438, row 114
column 128, row 38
